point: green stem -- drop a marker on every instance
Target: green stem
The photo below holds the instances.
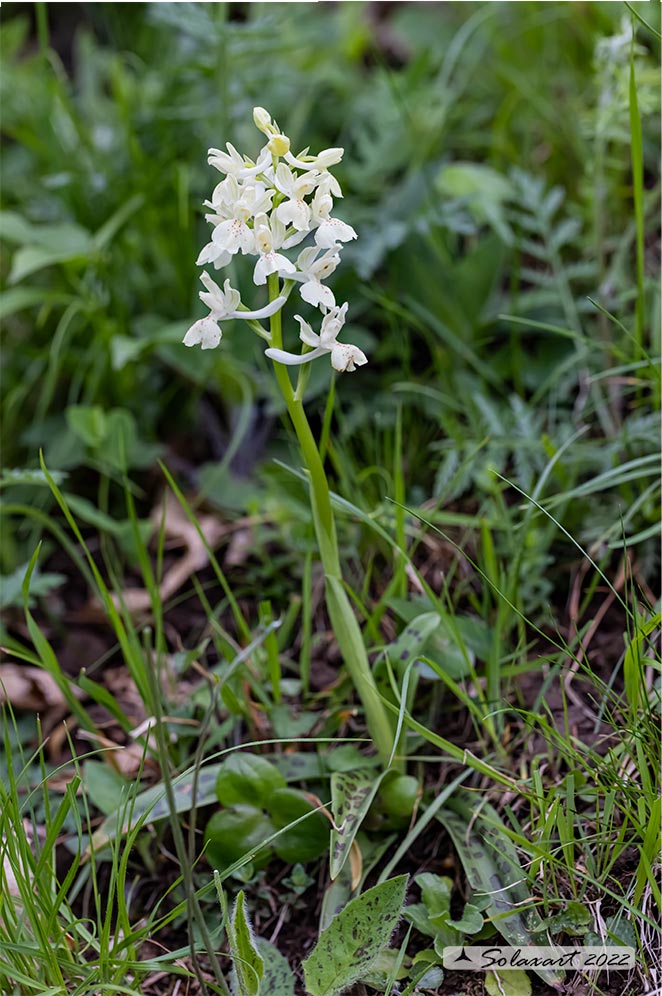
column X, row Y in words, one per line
column 345, row 625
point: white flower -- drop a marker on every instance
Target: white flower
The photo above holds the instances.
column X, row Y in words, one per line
column 294, row 210
column 333, row 230
column 262, row 120
column 269, row 235
column 233, row 164
column 311, row 271
column 233, row 205
column 344, row 356
column 232, row 200
column 329, row 157
column 222, row 304
column 233, row 235
column 205, row 332
column 213, row 253
column 278, row 144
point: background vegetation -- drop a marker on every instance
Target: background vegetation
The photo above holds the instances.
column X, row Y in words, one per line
column 496, row 466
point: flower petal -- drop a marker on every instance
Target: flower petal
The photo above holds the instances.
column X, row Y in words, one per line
column 306, row 333
column 266, row 312
column 317, row 294
column 346, row 358
column 293, row 359
column 333, row 230
column 205, row 333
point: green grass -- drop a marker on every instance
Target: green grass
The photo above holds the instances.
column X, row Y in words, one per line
column 494, row 476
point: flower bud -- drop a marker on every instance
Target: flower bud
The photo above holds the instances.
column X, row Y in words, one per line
column 278, row 145
column 262, row 120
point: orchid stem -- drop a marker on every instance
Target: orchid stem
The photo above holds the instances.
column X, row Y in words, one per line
column 343, row 620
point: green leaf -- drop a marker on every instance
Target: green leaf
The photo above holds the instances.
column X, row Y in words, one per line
column 308, row 839
column 247, row 777
column 153, row 803
column 511, row 982
column 411, row 642
column 57, row 244
column 104, row 786
column 351, row 795
column 235, row 833
column 619, row 931
column 574, row 920
column 89, row 424
column 15, row 228
column 351, row 944
column 397, row 796
column 18, row 298
column 493, row 870
column 11, row 586
column 247, row 960
column 471, row 921
column 434, row 921
column 278, row 978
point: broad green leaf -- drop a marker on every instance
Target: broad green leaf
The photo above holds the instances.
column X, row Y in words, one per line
column 124, row 349
column 351, row 795
column 349, row 758
column 18, row 298
column 246, row 777
column 104, row 786
column 278, row 978
column 432, row 916
column 508, row 982
column 153, row 804
column 397, row 796
column 15, row 228
column 235, row 833
column 471, row 921
column 574, row 920
column 305, row 841
column 387, row 966
column 246, row 959
column 467, row 179
column 618, row 930
column 57, row 244
column 11, row 586
column 493, row 870
column 351, row 944
column 413, row 639
column 89, row 424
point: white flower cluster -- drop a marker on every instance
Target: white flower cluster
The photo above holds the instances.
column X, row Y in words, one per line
column 263, row 208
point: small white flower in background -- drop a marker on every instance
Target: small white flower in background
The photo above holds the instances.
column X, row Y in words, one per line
column 264, row 207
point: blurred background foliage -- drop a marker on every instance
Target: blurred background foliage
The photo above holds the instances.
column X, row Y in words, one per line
column 489, row 173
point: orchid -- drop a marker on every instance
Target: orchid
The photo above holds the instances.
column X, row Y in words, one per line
column 311, row 270
column 344, row 356
column 222, row 304
column 269, row 236
column 264, row 207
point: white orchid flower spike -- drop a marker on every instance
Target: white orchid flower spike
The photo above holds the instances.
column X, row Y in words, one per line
column 264, row 207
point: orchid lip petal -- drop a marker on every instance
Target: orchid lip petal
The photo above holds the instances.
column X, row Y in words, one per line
column 266, row 312
column 294, row 359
